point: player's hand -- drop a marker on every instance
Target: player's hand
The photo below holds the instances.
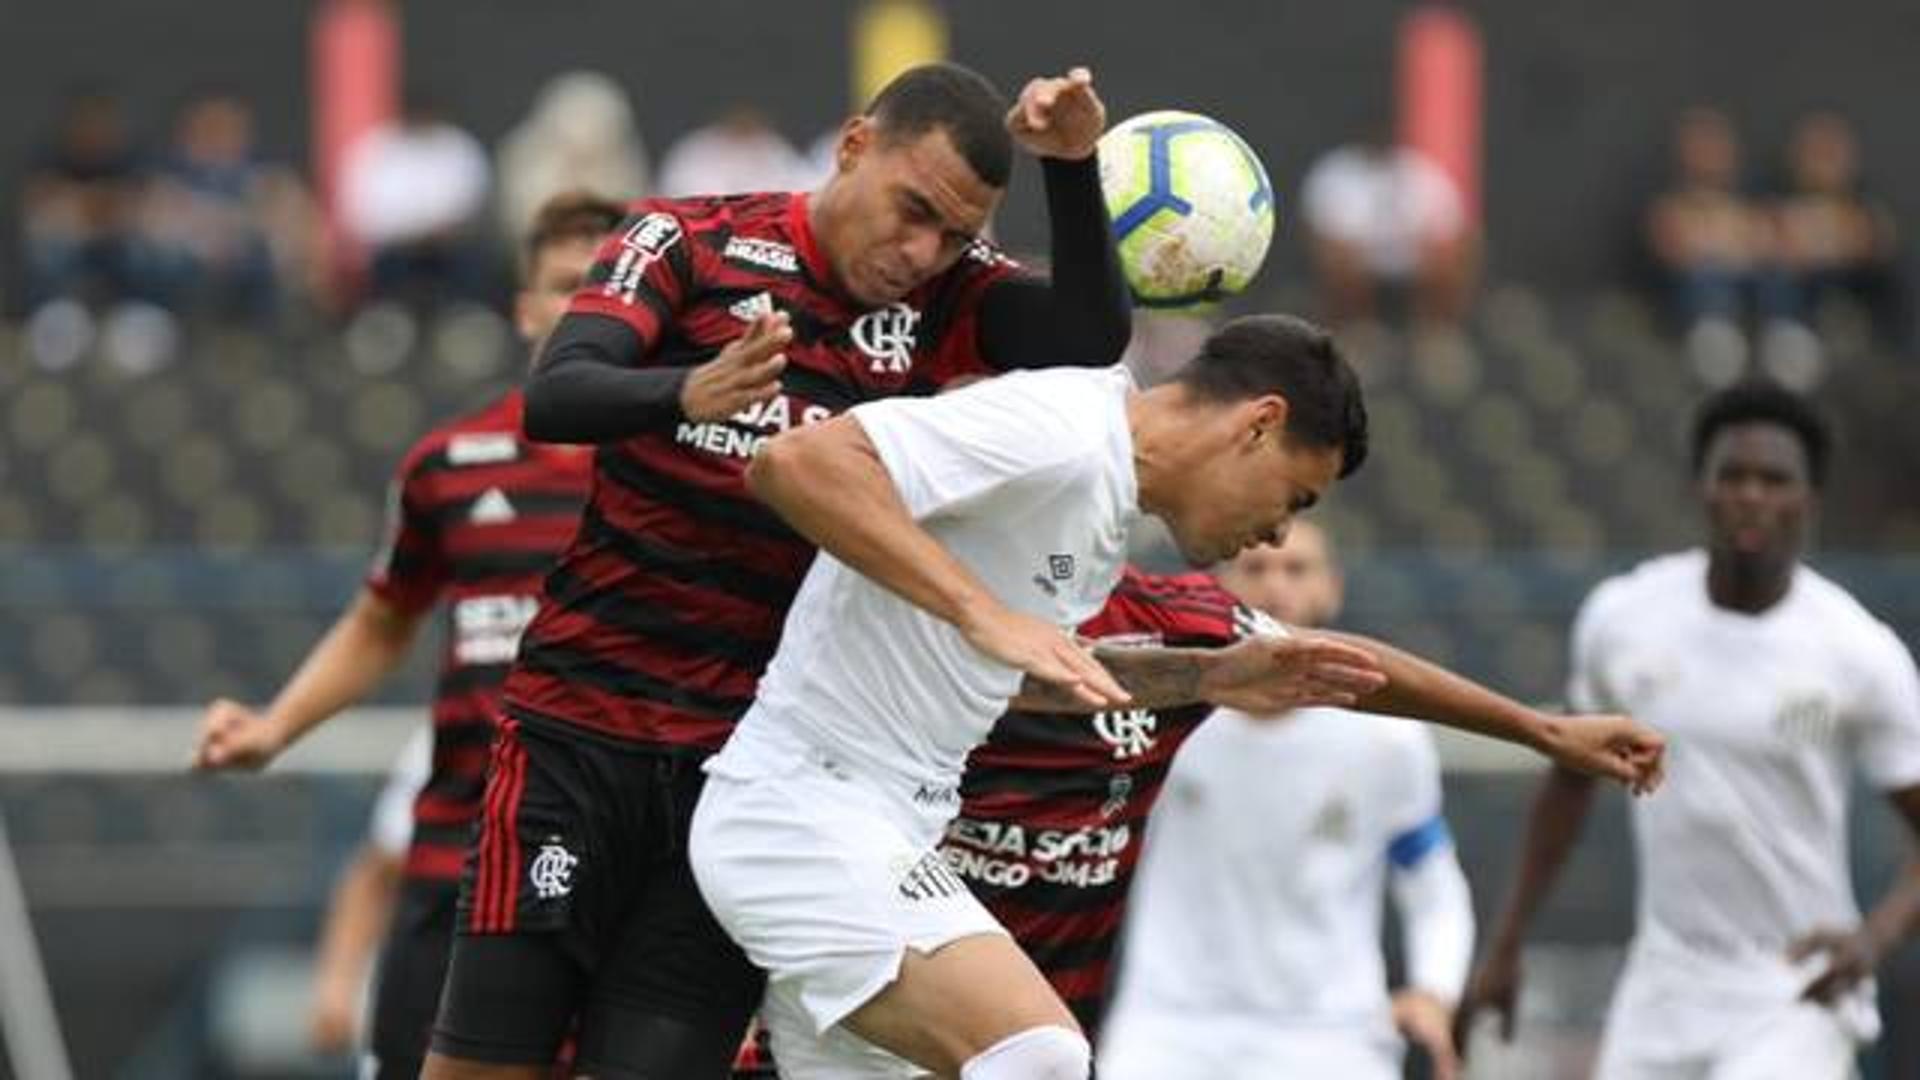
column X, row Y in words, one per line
column 233, row 736
column 1047, row 653
column 1494, row 987
column 1266, row 675
column 746, row 372
column 1851, row 956
column 1059, row 118
column 330, row 1022
column 1610, row 745
column 1426, row 1022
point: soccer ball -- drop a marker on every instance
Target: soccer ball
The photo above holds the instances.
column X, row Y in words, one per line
column 1191, row 206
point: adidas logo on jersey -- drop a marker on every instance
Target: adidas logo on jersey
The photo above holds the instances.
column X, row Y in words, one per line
column 492, row 508
column 752, row 307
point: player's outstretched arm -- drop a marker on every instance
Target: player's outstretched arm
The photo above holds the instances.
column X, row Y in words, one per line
column 1613, row 746
column 1852, row 954
column 1553, row 827
column 367, row 642
column 1083, row 315
column 829, row 482
column 1258, row 675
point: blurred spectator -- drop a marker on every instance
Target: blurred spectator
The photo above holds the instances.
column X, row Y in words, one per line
column 1708, row 238
column 738, row 152
column 1830, row 239
column 78, row 206
column 413, row 192
column 1382, row 217
column 580, row 135
column 223, row 232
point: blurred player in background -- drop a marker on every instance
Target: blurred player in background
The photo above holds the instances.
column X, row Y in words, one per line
column 1253, row 941
column 708, row 325
column 1750, row 958
column 477, row 515
column 363, row 901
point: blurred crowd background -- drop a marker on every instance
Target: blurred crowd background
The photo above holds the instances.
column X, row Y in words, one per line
column 251, row 250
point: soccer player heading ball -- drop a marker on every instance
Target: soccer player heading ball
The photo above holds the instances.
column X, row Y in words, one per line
column 706, row 326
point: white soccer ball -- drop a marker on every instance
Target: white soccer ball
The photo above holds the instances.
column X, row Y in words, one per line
column 1191, row 206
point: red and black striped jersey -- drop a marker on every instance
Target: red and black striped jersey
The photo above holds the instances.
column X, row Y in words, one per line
column 660, row 617
column 477, row 515
column 1054, row 807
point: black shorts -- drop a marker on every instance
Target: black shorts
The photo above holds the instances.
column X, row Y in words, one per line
column 578, row 913
column 413, row 964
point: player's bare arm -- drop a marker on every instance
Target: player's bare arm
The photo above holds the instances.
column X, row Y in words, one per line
column 828, row 482
column 1617, row 747
column 1853, row 954
column 367, row 642
column 1259, row 675
column 1553, row 827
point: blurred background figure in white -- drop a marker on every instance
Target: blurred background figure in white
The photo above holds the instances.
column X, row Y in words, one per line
column 1253, row 946
column 579, row 135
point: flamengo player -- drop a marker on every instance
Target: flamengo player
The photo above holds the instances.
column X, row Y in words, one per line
column 707, row 326
column 478, row 514
column 1253, row 935
column 960, row 535
column 1750, row 958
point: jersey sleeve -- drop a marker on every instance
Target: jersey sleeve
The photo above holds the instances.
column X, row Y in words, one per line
column 960, row 353
column 643, row 274
column 411, row 566
column 944, row 451
column 1889, row 735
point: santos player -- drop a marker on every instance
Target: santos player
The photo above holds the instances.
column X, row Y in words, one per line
column 984, row 522
column 1253, row 937
column 1750, row 958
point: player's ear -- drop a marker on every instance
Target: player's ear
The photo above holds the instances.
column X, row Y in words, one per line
column 523, row 314
column 1268, row 417
column 856, row 137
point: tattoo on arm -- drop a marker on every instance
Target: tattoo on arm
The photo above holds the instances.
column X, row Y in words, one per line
column 1158, row 678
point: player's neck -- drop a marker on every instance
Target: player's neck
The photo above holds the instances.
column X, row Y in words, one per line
column 1748, row 586
column 1154, row 419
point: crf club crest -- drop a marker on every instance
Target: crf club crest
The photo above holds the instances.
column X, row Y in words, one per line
column 886, row 336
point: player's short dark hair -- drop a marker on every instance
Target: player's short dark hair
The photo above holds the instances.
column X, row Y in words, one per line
column 1764, row 401
column 570, row 215
column 957, row 100
column 1281, row 354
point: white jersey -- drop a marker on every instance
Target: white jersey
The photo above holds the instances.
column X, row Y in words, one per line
column 391, row 829
column 1028, row 480
column 1259, row 897
column 1743, row 849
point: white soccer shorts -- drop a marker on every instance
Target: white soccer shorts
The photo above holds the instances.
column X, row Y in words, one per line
column 826, row 878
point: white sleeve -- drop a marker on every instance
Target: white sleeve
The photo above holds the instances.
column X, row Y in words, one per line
column 1586, row 683
column 1429, row 888
column 1436, row 916
column 1889, row 739
column 943, row 451
column 391, row 830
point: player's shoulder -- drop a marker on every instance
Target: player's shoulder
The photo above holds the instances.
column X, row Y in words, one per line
column 1648, row 586
column 1841, row 614
column 1189, row 606
column 488, row 435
